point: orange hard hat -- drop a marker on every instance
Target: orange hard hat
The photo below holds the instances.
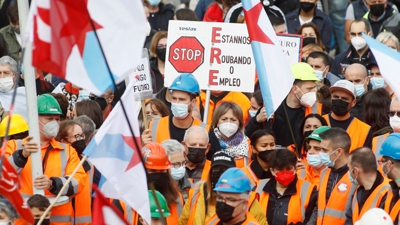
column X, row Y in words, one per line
column 155, row 157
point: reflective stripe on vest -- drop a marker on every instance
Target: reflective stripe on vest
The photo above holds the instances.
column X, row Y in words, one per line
column 249, row 172
column 154, row 126
column 303, row 174
column 83, row 219
column 314, row 108
column 11, row 158
column 129, row 216
column 213, row 221
column 261, row 185
column 393, row 211
column 371, row 202
column 378, row 145
column 60, row 219
column 334, row 211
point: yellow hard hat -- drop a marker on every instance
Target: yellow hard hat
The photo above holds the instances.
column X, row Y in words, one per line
column 17, row 125
column 303, row 71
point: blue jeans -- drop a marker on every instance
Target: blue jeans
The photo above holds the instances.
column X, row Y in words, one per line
column 337, row 14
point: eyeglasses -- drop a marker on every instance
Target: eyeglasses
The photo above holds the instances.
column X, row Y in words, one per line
column 382, row 161
column 161, row 46
column 177, row 165
column 393, row 113
column 229, row 200
column 78, row 137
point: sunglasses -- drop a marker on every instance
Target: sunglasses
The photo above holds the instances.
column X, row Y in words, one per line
column 393, row 113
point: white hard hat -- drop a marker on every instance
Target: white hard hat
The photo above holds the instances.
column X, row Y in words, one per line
column 375, row 216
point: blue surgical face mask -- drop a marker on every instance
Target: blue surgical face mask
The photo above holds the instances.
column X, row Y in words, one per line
column 326, row 158
column 179, row 173
column 314, row 160
column 352, row 180
column 359, row 89
column 179, row 110
column 154, row 2
column 377, row 82
column 252, row 113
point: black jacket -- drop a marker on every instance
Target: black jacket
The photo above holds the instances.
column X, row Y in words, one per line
column 345, row 59
column 161, row 95
column 159, row 20
column 156, row 76
column 278, row 206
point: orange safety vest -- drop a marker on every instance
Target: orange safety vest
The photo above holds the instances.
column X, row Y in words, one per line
column 298, row 202
column 250, row 174
column 175, row 209
column 376, row 147
column 357, row 130
column 204, row 173
column 61, row 161
column 393, row 211
column 83, row 201
column 236, row 97
column 334, row 212
column 160, row 128
column 373, row 201
column 250, row 220
column 308, row 174
column 316, row 108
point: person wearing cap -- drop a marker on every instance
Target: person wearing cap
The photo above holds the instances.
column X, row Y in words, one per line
column 18, row 128
column 372, row 185
column 357, row 74
column 343, row 99
column 375, row 216
column 59, row 160
column 200, row 206
column 285, row 198
column 315, row 166
column 300, row 102
column 155, row 211
column 184, row 90
column 335, row 188
column 233, row 196
column 390, row 163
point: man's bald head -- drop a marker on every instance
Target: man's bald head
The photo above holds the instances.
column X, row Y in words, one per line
column 195, row 131
column 357, row 74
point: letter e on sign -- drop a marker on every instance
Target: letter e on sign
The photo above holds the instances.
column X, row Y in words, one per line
column 186, row 54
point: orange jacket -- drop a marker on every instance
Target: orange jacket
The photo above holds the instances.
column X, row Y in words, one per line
column 83, row 201
column 253, row 178
column 160, row 128
column 373, row 201
column 334, row 211
column 316, row 108
column 204, row 173
column 392, row 210
column 236, row 97
column 309, row 175
column 250, row 220
column 357, row 130
column 298, row 202
column 61, row 161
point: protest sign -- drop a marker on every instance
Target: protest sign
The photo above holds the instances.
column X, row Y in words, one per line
column 291, row 45
column 143, row 87
column 219, row 55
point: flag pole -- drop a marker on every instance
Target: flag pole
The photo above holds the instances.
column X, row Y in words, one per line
column 31, row 95
column 207, row 106
column 66, row 184
column 151, row 186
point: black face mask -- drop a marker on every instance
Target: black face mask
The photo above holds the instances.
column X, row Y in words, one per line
column 215, row 175
column 158, row 180
column 44, row 222
column 79, row 146
column 377, row 9
column 339, row 107
column 102, row 102
column 307, row 6
column 161, row 54
column 309, row 40
column 224, row 211
column 265, row 155
column 196, row 155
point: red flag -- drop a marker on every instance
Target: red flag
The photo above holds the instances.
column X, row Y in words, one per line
column 9, row 188
column 104, row 212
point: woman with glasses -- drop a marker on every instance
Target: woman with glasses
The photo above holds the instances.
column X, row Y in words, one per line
column 175, row 152
column 158, row 49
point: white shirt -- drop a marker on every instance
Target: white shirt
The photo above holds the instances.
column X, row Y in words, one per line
column 303, row 22
column 20, row 102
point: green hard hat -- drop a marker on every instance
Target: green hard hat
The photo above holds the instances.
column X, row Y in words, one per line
column 48, row 105
column 154, row 211
column 315, row 134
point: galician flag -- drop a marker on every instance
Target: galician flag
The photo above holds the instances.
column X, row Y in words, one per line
column 274, row 74
column 65, row 43
column 388, row 61
column 115, row 153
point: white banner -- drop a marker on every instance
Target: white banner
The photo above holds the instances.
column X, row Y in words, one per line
column 143, row 86
column 291, row 45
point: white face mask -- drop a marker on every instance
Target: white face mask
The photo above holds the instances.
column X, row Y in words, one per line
column 228, row 129
column 180, row 110
column 5, row 223
column 320, row 74
column 6, row 84
column 50, row 129
column 179, row 173
column 394, row 122
column 252, row 113
column 308, row 99
column 358, row 42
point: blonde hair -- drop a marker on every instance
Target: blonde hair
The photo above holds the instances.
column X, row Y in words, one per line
column 383, row 37
column 223, row 108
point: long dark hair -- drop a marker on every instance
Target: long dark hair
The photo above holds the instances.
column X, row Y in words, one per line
column 301, row 142
column 376, row 106
column 169, row 190
column 258, row 134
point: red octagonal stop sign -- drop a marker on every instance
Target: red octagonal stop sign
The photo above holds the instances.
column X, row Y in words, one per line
column 186, row 54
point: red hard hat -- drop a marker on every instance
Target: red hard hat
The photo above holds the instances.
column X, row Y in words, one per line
column 155, row 157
